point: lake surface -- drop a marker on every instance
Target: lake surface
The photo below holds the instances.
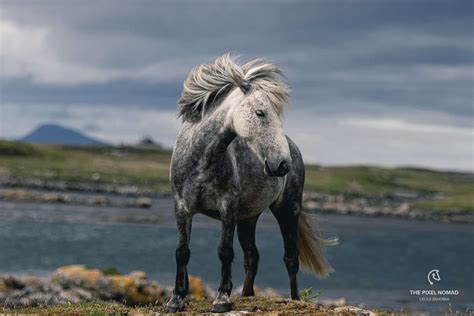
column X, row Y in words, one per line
column 377, row 263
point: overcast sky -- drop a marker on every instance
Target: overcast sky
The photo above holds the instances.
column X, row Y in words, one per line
column 380, row 82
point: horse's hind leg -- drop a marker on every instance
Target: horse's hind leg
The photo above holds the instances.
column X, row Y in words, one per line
column 288, row 222
column 183, row 222
column 246, row 234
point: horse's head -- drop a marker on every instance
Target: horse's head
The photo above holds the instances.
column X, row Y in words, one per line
column 255, row 96
column 257, row 120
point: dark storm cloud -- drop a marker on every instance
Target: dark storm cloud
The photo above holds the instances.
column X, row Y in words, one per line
column 402, row 60
column 112, row 93
column 310, row 39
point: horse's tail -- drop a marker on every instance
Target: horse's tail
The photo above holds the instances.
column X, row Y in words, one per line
column 309, row 246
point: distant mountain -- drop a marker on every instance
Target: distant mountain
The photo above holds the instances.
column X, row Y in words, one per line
column 59, row 135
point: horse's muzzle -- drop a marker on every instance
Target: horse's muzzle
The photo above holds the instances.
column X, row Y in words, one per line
column 283, row 169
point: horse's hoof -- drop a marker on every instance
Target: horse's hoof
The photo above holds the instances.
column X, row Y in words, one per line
column 221, row 304
column 175, row 304
column 221, row 308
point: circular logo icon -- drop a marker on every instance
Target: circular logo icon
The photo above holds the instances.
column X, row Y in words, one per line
column 433, row 276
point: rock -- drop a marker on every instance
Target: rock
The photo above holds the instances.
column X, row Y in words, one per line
column 9, row 282
column 79, row 295
column 17, row 195
column 139, row 275
column 132, row 289
column 196, row 287
column 78, row 275
column 356, row 310
column 52, row 197
column 403, row 209
column 396, row 204
column 143, row 202
column 101, row 200
column 337, row 302
column 269, row 292
column 32, row 291
column 311, row 205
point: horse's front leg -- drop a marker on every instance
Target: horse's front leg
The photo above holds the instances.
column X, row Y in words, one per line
column 181, row 288
column 226, row 254
column 246, row 234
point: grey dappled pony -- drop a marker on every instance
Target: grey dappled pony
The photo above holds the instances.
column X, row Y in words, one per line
column 231, row 161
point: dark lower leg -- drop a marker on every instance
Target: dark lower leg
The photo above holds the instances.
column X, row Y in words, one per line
column 181, row 287
column 226, row 252
column 288, row 225
column 246, row 234
column 226, row 255
column 292, row 265
column 182, row 255
column 182, row 259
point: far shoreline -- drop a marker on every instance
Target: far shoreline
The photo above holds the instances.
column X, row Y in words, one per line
column 398, row 205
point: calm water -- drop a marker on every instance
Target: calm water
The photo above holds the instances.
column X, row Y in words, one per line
column 377, row 262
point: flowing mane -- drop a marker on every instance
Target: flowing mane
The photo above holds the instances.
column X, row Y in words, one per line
column 208, row 83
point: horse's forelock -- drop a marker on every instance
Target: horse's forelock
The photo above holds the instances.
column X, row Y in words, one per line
column 207, row 84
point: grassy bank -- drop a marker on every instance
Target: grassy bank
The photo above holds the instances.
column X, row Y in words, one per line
column 253, row 305
column 125, row 165
column 149, row 168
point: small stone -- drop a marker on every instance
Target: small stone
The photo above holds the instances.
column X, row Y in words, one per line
column 196, row 287
column 101, row 200
column 356, row 310
column 139, row 275
column 337, row 302
column 269, row 292
column 311, row 205
column 143, row 202
column 55, row 197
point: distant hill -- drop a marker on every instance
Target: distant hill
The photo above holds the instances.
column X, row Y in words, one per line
column 59, row 135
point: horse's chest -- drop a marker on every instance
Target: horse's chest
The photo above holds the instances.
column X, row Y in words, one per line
column 207, row 195
column 253, row 198
column 257, row 195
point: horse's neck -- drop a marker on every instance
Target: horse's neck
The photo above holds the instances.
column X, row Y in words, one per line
column 211, row 138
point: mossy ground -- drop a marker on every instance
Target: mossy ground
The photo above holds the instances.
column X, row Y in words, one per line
column 149, row 168
column 254, row 305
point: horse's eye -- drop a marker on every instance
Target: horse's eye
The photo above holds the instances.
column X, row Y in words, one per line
column 260, row 113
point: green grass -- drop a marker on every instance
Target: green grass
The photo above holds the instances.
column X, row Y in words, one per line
column 376, row 180
column 145, row 168
column 111, row 271
column 8, row 148
column 460, row 201
column 307, row 295
column 150, row 169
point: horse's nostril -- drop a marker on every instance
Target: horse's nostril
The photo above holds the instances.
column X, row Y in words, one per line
column 283, row 168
